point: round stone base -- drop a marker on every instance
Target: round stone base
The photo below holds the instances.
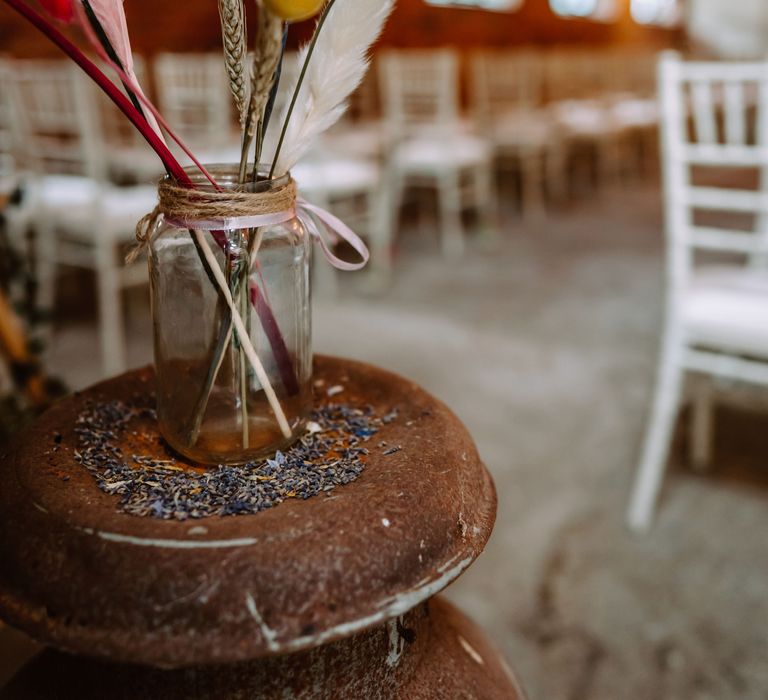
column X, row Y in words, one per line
column 82, row 576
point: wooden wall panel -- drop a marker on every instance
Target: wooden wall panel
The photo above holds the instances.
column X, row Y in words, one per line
column 192, row 25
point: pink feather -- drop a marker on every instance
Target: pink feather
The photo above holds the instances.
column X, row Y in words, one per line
column 111, row 16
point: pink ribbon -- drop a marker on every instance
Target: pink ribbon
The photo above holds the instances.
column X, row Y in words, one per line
column 314, row 218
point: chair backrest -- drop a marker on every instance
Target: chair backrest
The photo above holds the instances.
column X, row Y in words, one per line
column 116, row 128
column 639, row 69
column 419, row 88
column 193, row 96
column 505, row 81
column 364, row 102
column 715, row 156
column 572, row 74
column 56, row 122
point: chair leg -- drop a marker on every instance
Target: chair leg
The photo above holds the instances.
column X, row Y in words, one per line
column 393, row 186
column 380, row 232
column 532, row 180
column 608, row 161
column 658, row 436
column 45, row 254
column 702, row 409
column 449, row 201
column 555, row 172
column 111, row 328
column 486, row 200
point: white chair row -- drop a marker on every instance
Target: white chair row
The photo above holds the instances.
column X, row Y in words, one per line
column 79, row 218
column 715, row 121
column 409, row 131
column 533, row 108
column 429, row 145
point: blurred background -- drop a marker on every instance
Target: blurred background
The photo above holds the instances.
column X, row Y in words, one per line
column 553, row 191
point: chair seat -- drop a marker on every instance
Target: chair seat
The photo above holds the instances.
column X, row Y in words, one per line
column 127, row 205
column 432, row 154
column 75, row 202
column 134, row 163
column 358, row 140
column 585, row 118
column 727, row 309
column 65, row 192
column 335, row 177
column 635, row 112
column 523, row 129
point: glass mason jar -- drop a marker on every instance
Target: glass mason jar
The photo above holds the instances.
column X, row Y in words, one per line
column 212, row 405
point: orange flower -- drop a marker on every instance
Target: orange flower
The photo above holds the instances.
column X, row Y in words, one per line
column 294, row 10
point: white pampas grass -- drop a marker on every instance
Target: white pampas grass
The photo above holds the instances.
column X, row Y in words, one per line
column 336, row 69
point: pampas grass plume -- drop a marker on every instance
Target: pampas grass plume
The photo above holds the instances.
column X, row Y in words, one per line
column 337, row 67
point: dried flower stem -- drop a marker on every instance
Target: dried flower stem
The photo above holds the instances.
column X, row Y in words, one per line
column 245, row 340
column 267, row 56
column 269, row 108
column 300, row 82
column 269, row 44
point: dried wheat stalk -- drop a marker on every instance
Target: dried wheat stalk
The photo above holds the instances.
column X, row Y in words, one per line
column 269, row 43
column 232, row 14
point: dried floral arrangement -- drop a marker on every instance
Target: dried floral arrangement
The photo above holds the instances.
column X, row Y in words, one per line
column 332, row 65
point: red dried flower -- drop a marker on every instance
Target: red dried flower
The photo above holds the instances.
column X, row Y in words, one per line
column 61, row 10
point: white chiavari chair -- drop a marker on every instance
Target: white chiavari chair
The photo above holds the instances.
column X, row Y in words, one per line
column 429, row 145
column 632, row 103
column 80, row 219
column 193, row 96
column 507, row 96
column 578, row 88
column 716, row 321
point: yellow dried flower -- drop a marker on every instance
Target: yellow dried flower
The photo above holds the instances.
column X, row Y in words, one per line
column 294, row 10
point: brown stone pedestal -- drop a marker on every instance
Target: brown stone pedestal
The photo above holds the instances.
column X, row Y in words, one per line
column 331, row 597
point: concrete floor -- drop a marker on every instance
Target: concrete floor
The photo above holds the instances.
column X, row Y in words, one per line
column 545, row 344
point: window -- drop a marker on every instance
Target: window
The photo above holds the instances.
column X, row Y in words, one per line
column 574, row 8
column 663, row 12
column 495, row 5
column 602, row 10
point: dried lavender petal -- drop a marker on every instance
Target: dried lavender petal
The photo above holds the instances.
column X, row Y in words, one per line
column 330, row 454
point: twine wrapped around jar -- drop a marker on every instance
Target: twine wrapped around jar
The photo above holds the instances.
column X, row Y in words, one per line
column 193, row 208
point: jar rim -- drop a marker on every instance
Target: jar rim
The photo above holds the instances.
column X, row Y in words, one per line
column 227, row 177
